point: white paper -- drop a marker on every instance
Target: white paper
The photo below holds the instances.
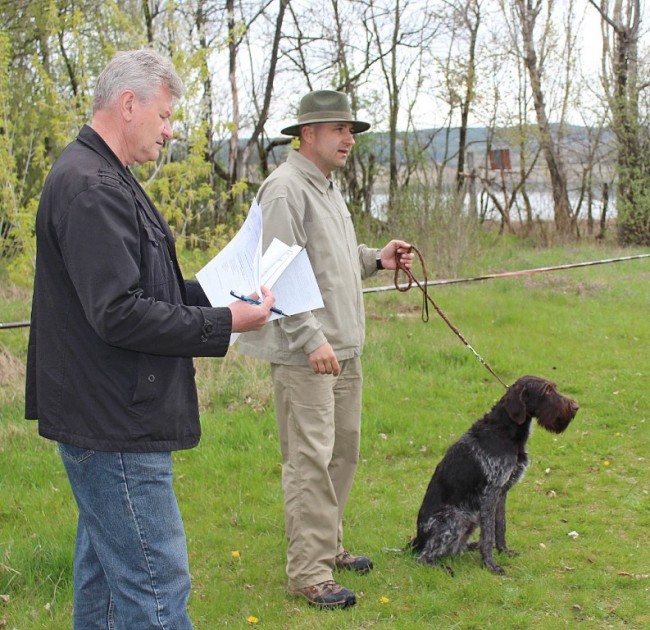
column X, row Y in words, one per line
column 284, row 269
column 237, row 266
column 296, row 290
column 277, row 257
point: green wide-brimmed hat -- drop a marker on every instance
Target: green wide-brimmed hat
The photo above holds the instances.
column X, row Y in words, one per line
column 325, row 106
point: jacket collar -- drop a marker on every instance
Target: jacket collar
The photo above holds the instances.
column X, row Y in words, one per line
column 92, row 139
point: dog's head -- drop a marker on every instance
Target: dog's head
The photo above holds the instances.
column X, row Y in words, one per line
column 535, row 397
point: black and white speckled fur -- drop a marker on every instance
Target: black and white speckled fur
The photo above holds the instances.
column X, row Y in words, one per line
column 469, row 486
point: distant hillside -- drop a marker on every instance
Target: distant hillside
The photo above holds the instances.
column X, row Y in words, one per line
column 442, row 144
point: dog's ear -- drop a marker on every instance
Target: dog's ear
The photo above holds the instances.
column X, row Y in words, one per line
column 514, row 403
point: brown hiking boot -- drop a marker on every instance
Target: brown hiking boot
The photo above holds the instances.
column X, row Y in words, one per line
column 327, row 594
column 346, row 560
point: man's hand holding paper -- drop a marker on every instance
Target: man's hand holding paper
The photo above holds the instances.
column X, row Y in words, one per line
column 247, row 316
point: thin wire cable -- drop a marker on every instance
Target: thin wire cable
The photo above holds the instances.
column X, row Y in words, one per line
column 431, row 283
column 510, row 274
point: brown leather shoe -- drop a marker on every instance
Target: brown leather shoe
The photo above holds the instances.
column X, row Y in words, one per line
column 327, row 594
column 346, row 560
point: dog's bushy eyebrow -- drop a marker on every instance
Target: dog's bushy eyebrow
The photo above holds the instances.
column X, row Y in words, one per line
column 542, row 387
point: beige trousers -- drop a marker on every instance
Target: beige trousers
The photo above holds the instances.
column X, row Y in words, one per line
column 319, row 422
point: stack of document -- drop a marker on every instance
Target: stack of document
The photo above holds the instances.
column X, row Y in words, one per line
column 240, row 267
column 275, row 260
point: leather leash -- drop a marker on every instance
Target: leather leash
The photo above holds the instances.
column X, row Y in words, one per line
column 426, row 298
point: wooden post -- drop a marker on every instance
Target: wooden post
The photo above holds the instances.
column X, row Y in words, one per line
column 500, row 160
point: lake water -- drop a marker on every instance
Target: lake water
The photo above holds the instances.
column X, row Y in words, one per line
column 541, row 202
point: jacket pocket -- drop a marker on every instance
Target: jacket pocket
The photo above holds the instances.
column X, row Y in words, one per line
column 156, row 266
column 146, row 386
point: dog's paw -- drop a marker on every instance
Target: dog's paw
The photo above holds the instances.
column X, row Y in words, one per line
column 426, row 559
column 511, row 553
column 493, row 567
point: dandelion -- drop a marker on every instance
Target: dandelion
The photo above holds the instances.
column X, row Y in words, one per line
column 606, row 462
column 252, row 620
column 235, row 554
column 383, row 600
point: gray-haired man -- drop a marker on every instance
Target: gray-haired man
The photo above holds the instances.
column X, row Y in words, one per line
column 109, row 368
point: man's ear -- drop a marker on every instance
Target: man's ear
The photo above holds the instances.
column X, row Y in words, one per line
column 126, row 102
column 306, row 134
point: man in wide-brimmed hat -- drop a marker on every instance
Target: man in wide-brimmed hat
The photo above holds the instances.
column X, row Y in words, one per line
column 315, row 356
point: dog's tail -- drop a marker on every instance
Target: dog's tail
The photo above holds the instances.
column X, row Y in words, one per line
column 413, row 546
column 408, row 548
column 398, row 550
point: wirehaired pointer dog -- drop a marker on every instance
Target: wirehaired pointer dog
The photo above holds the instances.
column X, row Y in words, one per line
column 469, row 486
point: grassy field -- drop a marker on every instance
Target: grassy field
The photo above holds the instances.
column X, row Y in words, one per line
column 579, row 518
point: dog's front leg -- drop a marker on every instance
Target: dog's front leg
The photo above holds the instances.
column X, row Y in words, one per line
column 489, row 504
column 500, row 526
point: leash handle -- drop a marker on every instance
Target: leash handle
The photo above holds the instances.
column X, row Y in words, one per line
column 412, row 279
column 426, row 298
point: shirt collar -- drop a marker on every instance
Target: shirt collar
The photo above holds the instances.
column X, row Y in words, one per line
column 310, row 171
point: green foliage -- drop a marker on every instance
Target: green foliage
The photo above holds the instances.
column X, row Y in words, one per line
column 20, row 268
column 584, row 328
column 182, row 191
column 49, row 59
column 52, row 51
column 8, row 202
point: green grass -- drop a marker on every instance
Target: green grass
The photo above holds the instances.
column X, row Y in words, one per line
column 588, row 329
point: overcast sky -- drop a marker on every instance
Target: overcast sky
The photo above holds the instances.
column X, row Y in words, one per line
column 430, row 108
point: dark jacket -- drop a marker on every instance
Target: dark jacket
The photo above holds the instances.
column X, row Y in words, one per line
column 114, row 325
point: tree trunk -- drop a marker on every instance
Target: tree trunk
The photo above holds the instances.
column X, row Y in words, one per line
column 633, row 164
column 527, row 15
column 470, row 81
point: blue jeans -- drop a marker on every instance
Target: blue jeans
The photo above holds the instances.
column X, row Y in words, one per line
column 131, row 570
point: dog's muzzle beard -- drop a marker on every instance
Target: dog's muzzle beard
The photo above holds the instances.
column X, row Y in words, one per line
column 558, row 423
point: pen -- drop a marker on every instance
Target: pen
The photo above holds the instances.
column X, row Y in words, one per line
column 250, row 300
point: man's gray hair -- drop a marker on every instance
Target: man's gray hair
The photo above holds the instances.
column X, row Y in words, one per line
column 142, row 71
